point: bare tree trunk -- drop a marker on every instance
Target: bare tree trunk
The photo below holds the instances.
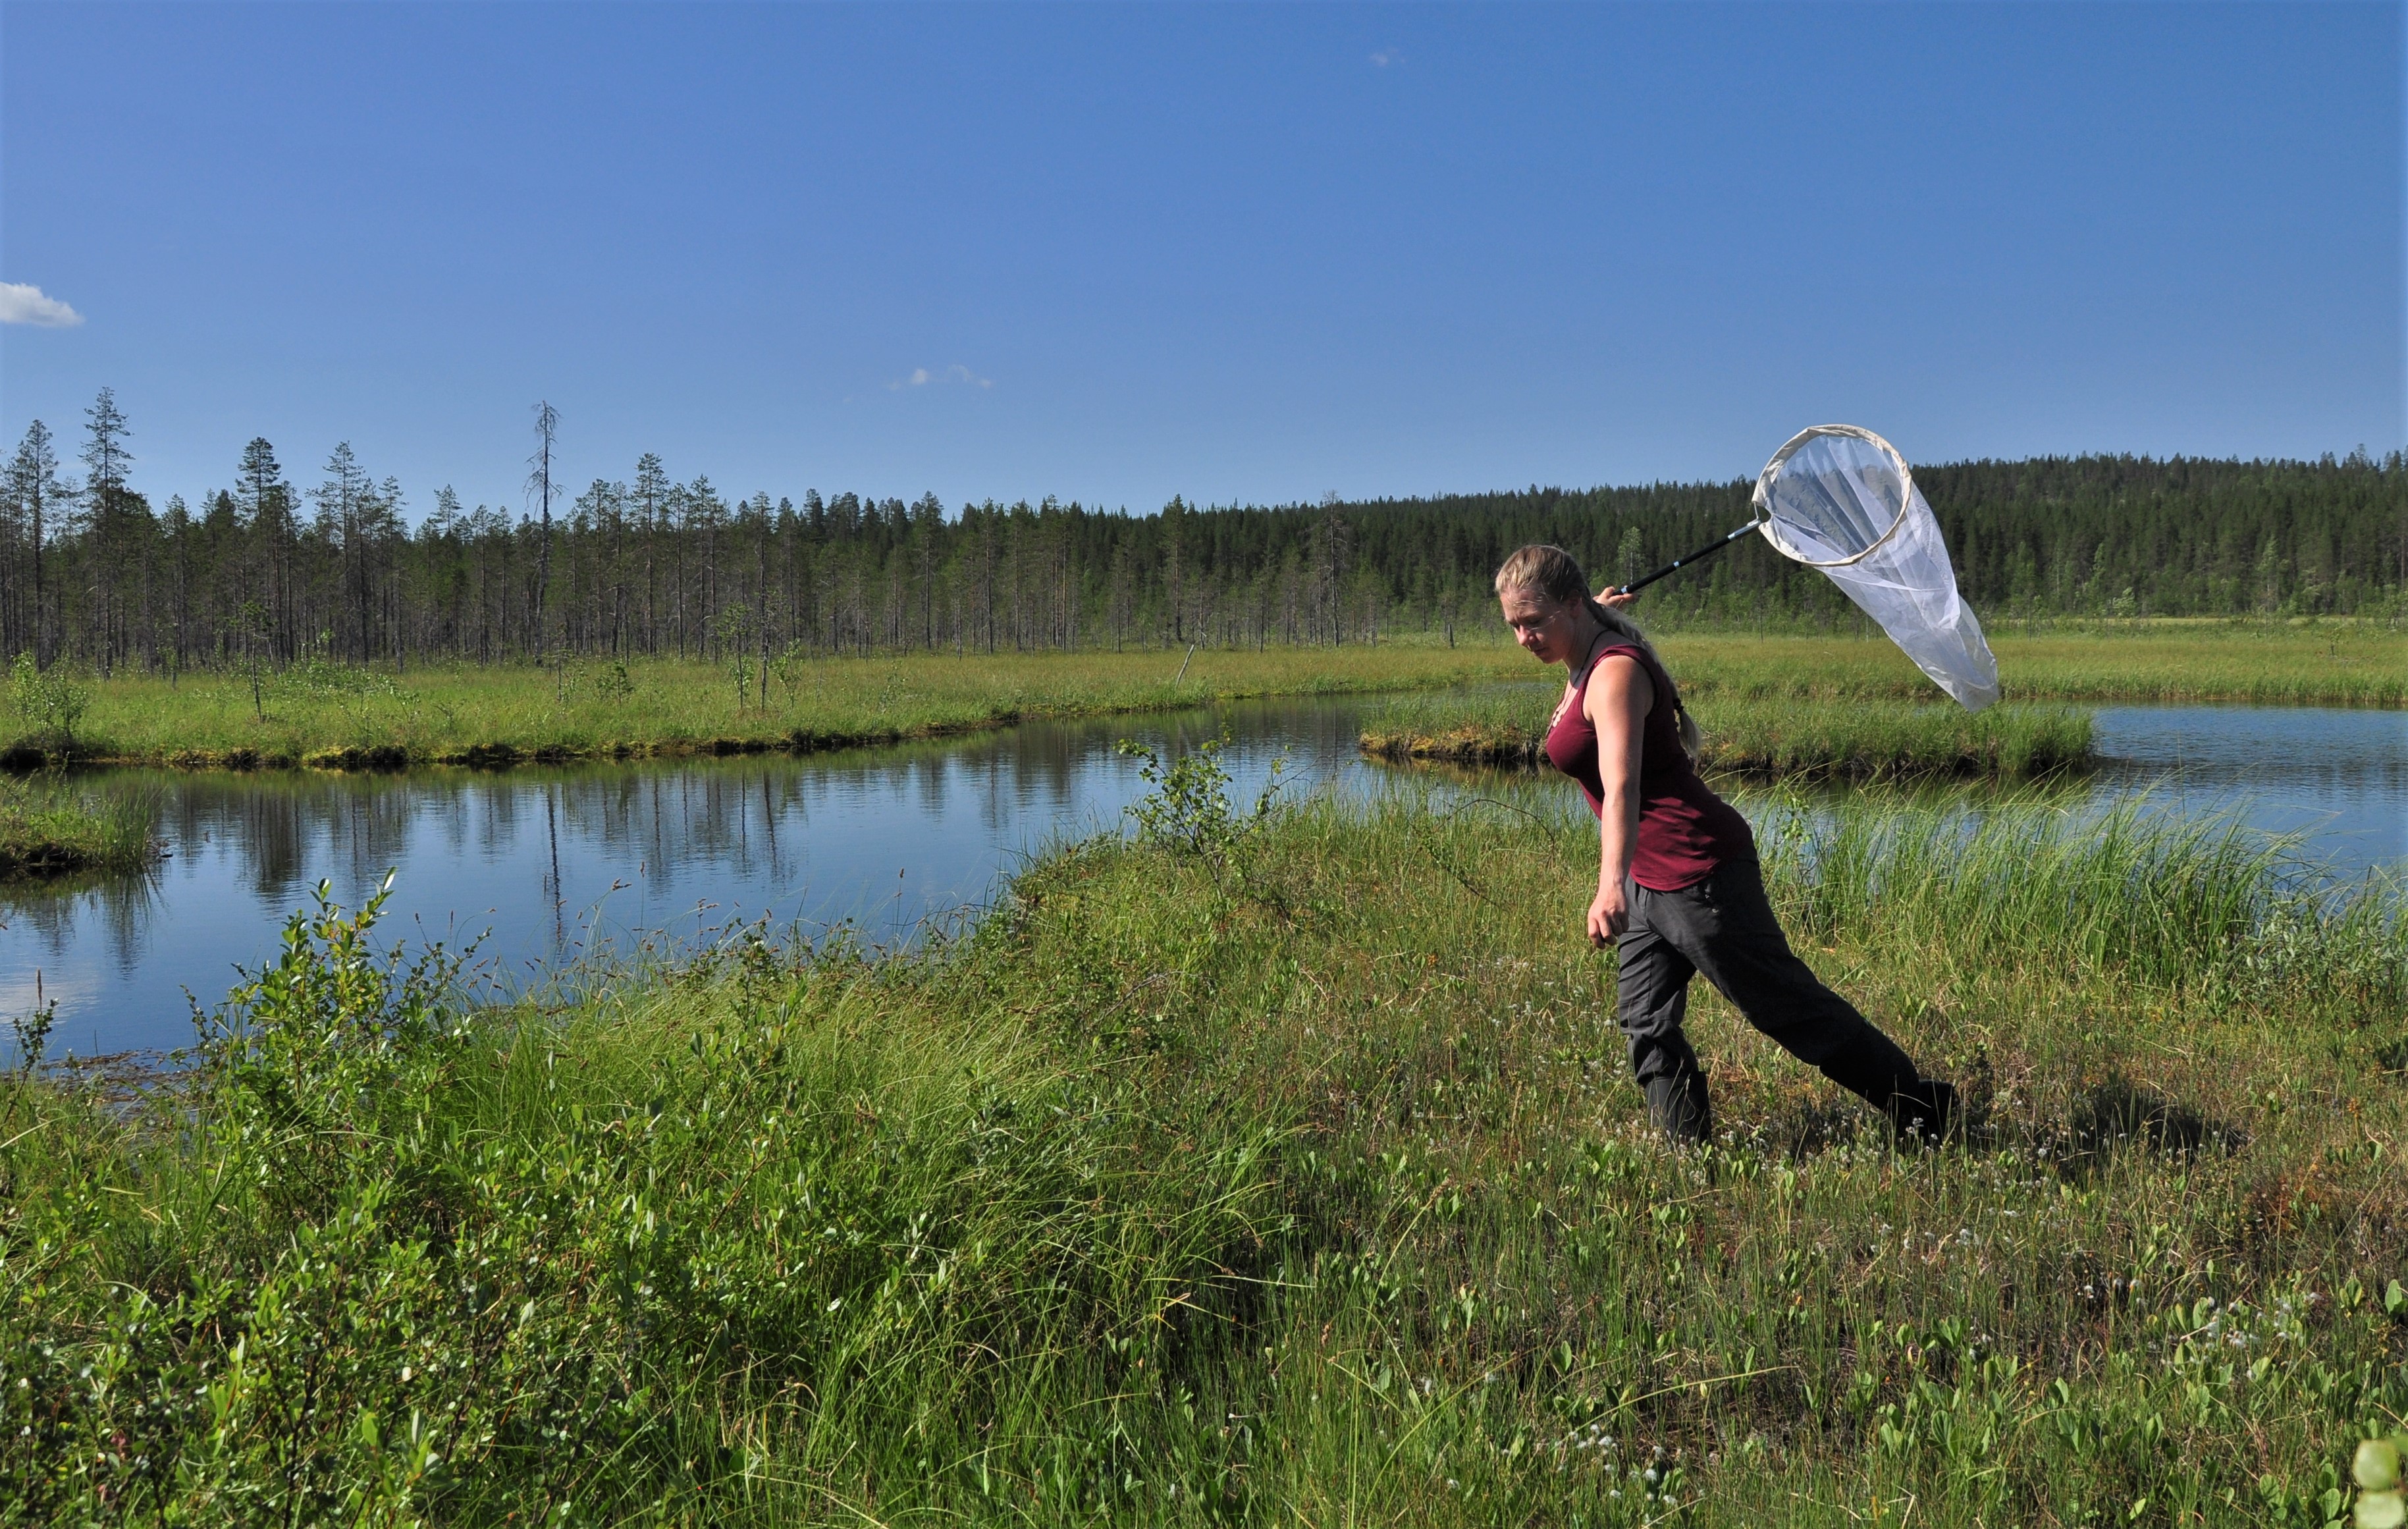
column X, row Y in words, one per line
column 547, row 427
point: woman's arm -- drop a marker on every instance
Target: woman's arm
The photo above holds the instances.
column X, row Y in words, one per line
column 1618, row 700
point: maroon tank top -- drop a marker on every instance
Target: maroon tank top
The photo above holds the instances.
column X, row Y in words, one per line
column 1685, row 829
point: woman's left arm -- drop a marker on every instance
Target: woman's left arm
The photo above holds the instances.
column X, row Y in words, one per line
column 1617, row 702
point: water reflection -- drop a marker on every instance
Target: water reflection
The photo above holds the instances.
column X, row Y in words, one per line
column 562, row 864
column 556, row 862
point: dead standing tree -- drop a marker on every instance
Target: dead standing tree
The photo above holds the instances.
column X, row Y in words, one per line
column 547, row 431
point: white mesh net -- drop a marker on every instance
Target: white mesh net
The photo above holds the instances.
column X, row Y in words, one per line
column 1841, row 499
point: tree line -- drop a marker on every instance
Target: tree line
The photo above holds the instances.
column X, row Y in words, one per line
column 263, row 570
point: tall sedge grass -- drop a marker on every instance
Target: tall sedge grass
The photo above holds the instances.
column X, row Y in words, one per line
column 1801, row 738
column 48, row 827
column 1264, row 1170
column 2172, row 904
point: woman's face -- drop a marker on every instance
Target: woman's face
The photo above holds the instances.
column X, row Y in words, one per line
column 1543, row 627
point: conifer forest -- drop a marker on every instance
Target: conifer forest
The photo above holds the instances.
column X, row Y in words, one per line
column 281, row 561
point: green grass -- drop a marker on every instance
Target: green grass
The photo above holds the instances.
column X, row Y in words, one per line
column 334, row 717
column 1290, row 1177
column 48, row 828
column 1806, row 738
column 2327, row 663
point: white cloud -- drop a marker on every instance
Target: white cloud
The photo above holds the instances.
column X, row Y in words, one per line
column 23, row 304
column 921, row 377
column 1386, row 56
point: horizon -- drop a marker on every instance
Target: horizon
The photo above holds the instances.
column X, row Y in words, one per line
column 413, row 512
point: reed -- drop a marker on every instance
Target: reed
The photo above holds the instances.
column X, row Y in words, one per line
column 1262, row 1169
column 1792, row 739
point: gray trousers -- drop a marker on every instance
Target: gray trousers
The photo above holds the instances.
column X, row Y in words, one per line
column 1724, row 927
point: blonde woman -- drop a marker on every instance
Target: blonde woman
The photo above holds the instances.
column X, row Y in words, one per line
column 1678, row 887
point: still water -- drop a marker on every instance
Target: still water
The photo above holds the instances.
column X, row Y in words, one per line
column 551, row 866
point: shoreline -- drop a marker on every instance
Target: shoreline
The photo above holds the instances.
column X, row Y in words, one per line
column 370, row 720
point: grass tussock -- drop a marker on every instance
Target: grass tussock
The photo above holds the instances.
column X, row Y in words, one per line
column 1266, row 1170
column 48, row 827
column 1767, row 738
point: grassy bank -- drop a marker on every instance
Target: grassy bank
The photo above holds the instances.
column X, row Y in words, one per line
column 336, row 717
column 2320, row 664
column 1289, row 1175
column 1790, row 739
column 47, row 828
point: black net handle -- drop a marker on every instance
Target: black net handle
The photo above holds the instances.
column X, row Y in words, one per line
column 1680, row 562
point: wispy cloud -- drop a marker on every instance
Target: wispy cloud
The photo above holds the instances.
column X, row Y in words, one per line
column 24, row 304
column 921, row 377
column 1386, row 56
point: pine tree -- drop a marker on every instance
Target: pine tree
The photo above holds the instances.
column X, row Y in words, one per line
column 342, row 502
column 106, row 507
column 36, row 493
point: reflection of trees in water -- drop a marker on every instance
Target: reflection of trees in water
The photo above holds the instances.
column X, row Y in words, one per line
column 688, row 821
column 724, row 815
column 119, row 907
column 287, row 829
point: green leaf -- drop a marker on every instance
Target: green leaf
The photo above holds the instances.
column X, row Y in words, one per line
column 2380, row 1511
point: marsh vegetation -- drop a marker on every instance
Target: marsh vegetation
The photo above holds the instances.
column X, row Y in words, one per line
column 1775, row 738
column 1262, row 1169
column 332, row 716
column 52, row 827
column 326, row 714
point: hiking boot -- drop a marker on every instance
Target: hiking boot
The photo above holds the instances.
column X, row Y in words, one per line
column 1924, row 1112
column 1677, row 1106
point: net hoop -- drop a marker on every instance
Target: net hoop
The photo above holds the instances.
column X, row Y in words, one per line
column 1763, row 496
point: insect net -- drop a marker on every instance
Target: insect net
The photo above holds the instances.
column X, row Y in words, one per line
column 1841, row 499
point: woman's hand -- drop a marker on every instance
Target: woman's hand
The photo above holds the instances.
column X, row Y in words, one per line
column 1616, row 601
column 1609, row 914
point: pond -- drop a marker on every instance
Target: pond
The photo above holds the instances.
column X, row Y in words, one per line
column 554, row 866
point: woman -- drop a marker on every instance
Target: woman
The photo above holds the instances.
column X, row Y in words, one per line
column 1678, row 885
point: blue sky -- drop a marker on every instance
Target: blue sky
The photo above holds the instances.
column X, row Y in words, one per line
column 1251, row 253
